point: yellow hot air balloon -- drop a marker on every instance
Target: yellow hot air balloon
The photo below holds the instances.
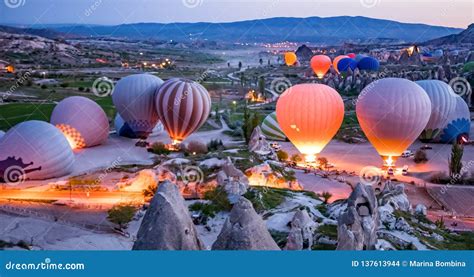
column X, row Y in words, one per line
column 336, row 60
column 320, row 65
column 290, row 58
column 310, row 115
column 392, row 112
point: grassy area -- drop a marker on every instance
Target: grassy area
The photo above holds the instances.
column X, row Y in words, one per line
column 264, row 198
column 12, row 114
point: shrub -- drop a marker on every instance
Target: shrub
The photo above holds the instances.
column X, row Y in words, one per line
column 150, row 191
column 196, row 147
column 296, row 158
column 44, row 86
column 323, row 162
column 159, row 148
column 64, row 85
column 326, row 195
column 121, row 215
column 215, row 144
column 282, row 155
column 420, row 156
column 80, row 88
column 218, row 197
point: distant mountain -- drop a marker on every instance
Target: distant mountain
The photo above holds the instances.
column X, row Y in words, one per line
column 46, row 33
column 466, row 36
column 312, row 29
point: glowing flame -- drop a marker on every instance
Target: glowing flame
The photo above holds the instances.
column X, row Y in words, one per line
column 71, row 141
column 310, row 158
column 389, row 161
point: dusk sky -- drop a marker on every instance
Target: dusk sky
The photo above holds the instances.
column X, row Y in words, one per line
column 452, row 13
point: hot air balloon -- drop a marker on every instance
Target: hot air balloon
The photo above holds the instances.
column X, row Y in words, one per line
column 458, row 124
column 310, row 115
column 336, row 61
column 369, row 64
column 133, row 96
column 290, row 58
column 123, row 130
column 320, row 65
column 346, row 63
column 392, row 112
column 443, row 102
column 183, row 106
column 359, row 57
column 351, row 55
column 271, row 129
column 34, row 150
column 82, row 121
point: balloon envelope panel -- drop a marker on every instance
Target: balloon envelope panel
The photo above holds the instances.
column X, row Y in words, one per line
column 346, row 63
column 368, row 63
column 36, row 148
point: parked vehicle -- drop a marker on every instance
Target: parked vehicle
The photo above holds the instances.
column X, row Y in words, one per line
column 405, row 170
column 275, row 146
column 426, row 147
column 407, row 154
column 390, row 171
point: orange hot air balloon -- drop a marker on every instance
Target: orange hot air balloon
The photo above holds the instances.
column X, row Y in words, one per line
column 320, row 65
column 310, row 115
column 290, row 58
column 336, row 60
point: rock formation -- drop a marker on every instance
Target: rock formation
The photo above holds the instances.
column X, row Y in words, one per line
column 234, row 181
column 167, row 224
column 357, row 226
column 394, row 195
column 302, row 232
column 258, row 142
column 244, row 230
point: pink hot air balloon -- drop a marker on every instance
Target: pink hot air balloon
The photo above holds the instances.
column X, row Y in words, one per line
column 310, row 115
column 320, row 65
column 183, row 106
column 351, row 55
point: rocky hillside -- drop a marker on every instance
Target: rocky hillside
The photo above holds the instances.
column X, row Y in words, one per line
column 466, row 36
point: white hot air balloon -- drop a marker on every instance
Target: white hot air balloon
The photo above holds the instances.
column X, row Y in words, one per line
column 392, row 112
column 443, row 103
column 34, row 150
column 122, row 128
column 271, row 129
column 82, row 121
column 134, row 98
column 310, row 115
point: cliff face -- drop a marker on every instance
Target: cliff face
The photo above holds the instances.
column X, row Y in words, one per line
column 466, row 36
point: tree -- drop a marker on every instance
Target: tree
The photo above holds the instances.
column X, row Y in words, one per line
column 282, row 155
column 240, row 65
column 260, row 61
column 250, row 122
column 296, row 158
column 323, row 162
column 150, row 191
column 121, row 215
column 455, row 163
column 326, row 195
column 261, row 85
column 420, row 156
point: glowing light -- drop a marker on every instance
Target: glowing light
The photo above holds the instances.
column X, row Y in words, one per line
column 310, row 158
column 389, row 161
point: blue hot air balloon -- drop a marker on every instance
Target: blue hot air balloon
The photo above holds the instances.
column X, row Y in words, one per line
column 345, row 64
column 368, row 63
column 359, row 57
